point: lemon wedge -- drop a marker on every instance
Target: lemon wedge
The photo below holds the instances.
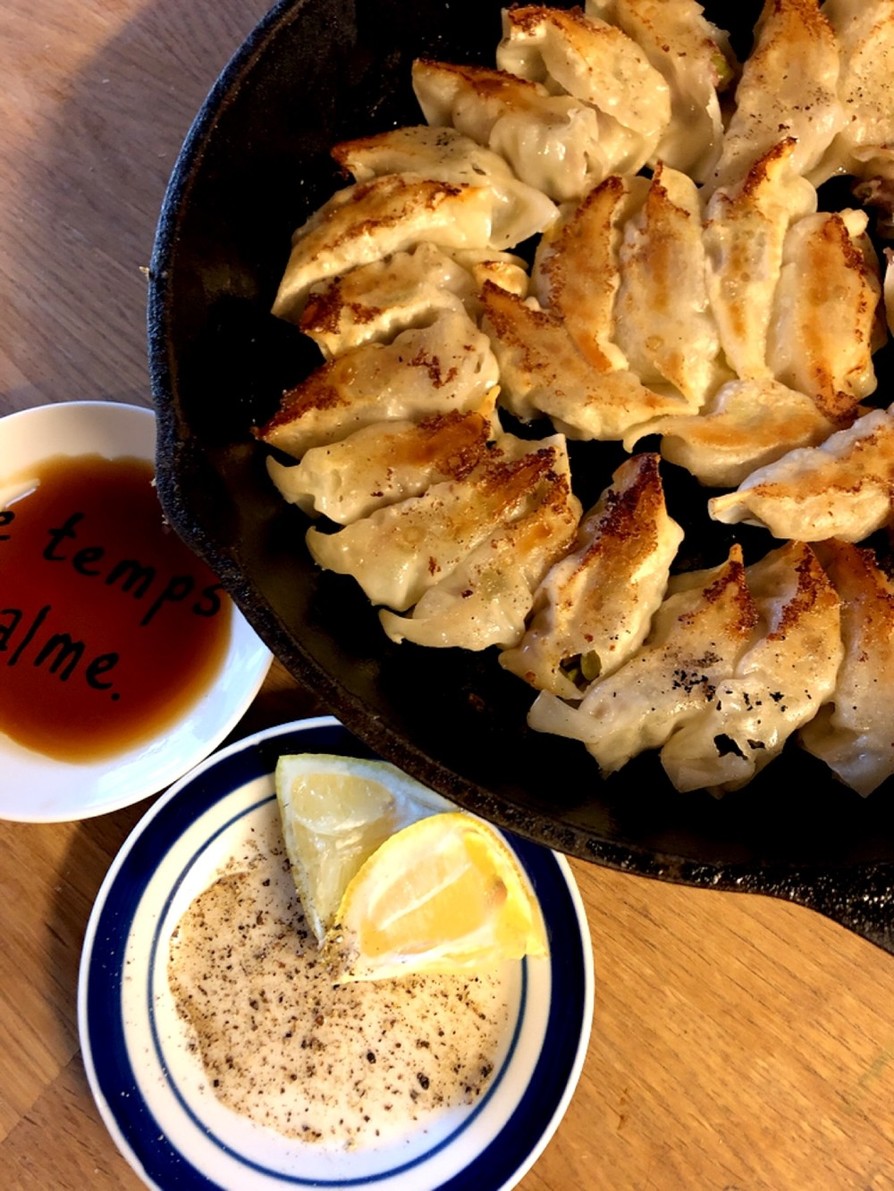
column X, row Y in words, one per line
column 444, row 895
column 335, row 812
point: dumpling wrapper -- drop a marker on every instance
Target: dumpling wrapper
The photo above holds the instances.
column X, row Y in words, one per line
column 745, row 425
column 745, row 230
column 840, row 489
column 487, row 598
column 777, row 684
column 596, row 63
column 375, row 302
column 826, row 319
column 854, row 730
column 519, row 211
column 698, row 634
column 788, row 88
column 663, row 321
column 386, row 462
column 543, row 373
column 594, row 607
column 371, row 220
column 696, row 60
column 552, row 142
column 577, row 270
column 563, row 360
column 865, row 33
column 446, row 366
column 398, row 552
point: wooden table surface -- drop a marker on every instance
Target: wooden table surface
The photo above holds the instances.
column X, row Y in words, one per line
column 738, row 1042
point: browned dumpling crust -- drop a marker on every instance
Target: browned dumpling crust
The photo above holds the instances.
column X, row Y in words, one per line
column 398, row 552
column 840, row 489
column 775, row 686
column 542, row 372
column 435, row 369
column 789, row 88
column 577, row 273
column 737, row 660
column 698, row 634
column 662, row 319
column 370, row 220
column 375, row 302
column 517, row 210
column 746, row 425
column 854, row 730
column 747, row 222
column 826, row 311
column 595, row 606
column 386, row 462
column 486, row 599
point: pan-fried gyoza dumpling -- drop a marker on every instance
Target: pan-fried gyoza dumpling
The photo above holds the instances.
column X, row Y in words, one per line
column 519, row 211
column 788, row 88
column 577, row 270
column 624, row 272
column 826, row 311
column 371, row 220
column 594, row 607
column 550, row 141
column 596, row 63
column 386, row 462
column 398, row 552
column 486, row 599
column 663, row 323
column 777, row 684
column 854, row 731
column 698, row 634
column 744, row 236
column 840, row 489
column 745, row 425
column 375, row 302
column 695, row 58
column 865, row 32
column 426, row 370
column 542, row 372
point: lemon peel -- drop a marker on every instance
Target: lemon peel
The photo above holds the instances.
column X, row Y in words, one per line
column 443, row 895
column 335, row 811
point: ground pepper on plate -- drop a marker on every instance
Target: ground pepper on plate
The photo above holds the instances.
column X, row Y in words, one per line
column 351, row 1065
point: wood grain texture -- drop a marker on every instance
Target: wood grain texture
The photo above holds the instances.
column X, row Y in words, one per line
column 738, row 1043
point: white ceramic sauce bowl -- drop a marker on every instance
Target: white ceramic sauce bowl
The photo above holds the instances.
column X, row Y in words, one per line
column 38, row 788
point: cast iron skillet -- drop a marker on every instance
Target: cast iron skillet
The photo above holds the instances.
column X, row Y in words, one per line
column 253, row 167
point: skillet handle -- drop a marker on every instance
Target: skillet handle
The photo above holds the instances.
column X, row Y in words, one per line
column 860, row 898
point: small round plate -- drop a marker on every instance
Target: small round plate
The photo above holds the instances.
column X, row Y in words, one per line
column 37, row 788
column 149, row 1086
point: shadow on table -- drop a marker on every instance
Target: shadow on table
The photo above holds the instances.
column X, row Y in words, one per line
column 90, row 194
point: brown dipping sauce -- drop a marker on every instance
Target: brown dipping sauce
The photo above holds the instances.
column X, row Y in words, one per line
column 110, row 628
